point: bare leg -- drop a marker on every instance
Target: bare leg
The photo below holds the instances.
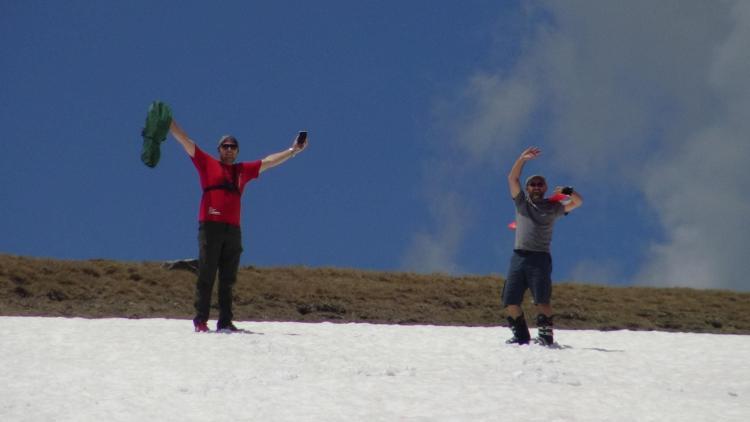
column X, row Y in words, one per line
column 514, row 311
column 544, row 308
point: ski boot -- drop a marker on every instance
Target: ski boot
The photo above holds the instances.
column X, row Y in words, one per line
column 544, row 327
column 520, row 331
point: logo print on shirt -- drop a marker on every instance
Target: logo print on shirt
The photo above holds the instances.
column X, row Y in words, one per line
column 213, row 211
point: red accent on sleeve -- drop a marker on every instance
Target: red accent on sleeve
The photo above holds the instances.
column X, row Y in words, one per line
column 251, row 170
column 558, row 197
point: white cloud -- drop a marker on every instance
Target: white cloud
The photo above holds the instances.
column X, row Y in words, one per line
column 485, row 123
column 436, row 252
column 700, row 191
column 502, row 111
column 652, row 95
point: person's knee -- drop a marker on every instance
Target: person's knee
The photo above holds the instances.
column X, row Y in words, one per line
column 544, row 308
column 514, row 311
column 206, row 278
column 226, row 281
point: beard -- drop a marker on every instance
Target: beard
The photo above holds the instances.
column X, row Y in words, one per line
column 536, row 196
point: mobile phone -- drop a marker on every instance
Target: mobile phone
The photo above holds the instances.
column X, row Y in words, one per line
column 302, row 137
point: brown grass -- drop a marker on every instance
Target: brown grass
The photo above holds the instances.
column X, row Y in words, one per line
column 103, row 288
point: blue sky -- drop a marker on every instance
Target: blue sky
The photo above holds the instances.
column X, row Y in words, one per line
column 416, row 111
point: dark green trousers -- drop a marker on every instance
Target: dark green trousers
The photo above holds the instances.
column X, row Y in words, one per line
column 220, row 249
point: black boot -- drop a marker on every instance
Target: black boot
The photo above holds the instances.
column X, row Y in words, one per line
column 544, row 327
column 520, row 330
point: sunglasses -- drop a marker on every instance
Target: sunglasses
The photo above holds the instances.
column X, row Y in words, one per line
column 537, row 185
column 229, row 146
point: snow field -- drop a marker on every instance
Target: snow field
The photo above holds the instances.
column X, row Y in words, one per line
column 56, row 369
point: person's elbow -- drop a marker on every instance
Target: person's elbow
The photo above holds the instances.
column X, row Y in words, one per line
column 267, row 163
column 575, row 203
column 514, row 186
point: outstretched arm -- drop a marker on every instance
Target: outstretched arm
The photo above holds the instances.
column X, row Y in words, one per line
column 274, row 160
column 182, row 138
column 514, row 177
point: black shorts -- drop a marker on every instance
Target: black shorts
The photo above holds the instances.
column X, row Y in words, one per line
column 528, row 270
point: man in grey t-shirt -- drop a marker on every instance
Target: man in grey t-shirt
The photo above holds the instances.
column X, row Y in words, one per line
column 531, row 263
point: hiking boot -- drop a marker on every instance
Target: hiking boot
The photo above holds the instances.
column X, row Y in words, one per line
column 200, row 326
column 520, row 331
column 544, row 327
column 226, row 327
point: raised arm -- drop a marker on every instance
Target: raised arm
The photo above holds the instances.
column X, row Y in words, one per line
column 514, row 177
column 182, row 138
column 274, row 160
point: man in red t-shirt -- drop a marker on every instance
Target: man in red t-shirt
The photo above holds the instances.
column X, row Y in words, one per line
column 219, row 235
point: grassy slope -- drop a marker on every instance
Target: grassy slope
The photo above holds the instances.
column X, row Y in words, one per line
column 102, row 288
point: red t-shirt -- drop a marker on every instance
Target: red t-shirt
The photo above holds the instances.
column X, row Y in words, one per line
column 222, row 205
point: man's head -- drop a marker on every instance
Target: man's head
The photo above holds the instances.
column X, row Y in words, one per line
column 228, row 149
column 536, row 187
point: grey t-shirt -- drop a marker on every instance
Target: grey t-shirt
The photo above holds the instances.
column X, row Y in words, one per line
column 534, row 222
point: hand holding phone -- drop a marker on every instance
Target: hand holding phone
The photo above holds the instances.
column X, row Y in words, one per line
column 301, row 138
